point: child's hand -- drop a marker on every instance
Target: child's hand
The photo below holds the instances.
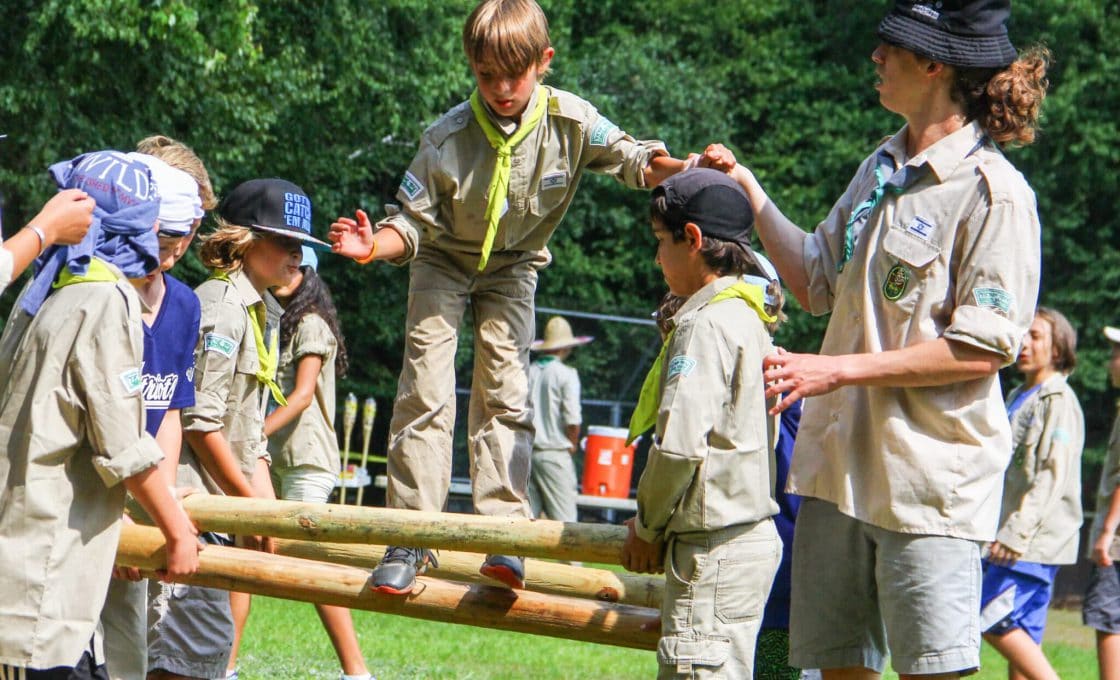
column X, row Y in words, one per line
column 642, row 556
column 1000, row 554
column 182, row 556
column 1102, row 548
column 718, row 157
column 352, row 238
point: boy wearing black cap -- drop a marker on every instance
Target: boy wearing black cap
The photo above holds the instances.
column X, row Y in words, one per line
column 705, row 498
column 929, row 266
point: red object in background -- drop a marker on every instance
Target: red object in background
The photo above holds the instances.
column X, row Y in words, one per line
column 608, row 462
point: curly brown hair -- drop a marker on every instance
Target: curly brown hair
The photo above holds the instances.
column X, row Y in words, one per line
column 1006, row 102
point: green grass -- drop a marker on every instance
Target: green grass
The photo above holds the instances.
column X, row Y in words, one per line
column 285, row 640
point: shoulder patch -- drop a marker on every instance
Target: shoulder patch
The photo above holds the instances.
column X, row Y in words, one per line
column 601, row 131
column 132, row 380
column 681, row 365
column 212, row 342
column 411, row 186
column 996, row 299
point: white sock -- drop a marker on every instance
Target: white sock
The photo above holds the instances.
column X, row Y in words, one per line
column 363, row 676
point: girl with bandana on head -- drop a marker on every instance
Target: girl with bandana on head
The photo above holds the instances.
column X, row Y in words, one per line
column 71, row 428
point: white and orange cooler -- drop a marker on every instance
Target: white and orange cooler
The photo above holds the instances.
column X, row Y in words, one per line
column 608, row 462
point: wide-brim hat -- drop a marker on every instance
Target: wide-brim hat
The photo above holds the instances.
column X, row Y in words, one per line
column 963, row 33
column 1113, row 334
column 272, row 205
column 558, row 335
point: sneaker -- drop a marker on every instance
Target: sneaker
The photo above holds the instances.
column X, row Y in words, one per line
column 396, row 574
column 508, row 570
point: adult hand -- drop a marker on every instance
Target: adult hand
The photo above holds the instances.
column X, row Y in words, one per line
column 642, row 556
column 1102, row 548
column 66, row 217
column 352, row 237
column 718, row 157
column 799, row 376
column 182, row 556
column 1001, row 555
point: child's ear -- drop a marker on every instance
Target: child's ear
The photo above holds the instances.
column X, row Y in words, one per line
column 693, row 235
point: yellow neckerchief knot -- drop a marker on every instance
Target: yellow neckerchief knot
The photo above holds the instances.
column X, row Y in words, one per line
column 645, row 413
column 503, row 146
column 98, row 271
column 268, row 355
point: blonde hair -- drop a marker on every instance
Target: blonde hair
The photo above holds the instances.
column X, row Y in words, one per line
column 511, row 35
column 180, row 156
column 224, row 248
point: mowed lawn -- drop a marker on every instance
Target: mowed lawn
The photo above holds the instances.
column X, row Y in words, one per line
column 285, row 640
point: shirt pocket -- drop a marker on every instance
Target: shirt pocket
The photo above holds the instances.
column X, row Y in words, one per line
column 907, row 267
column 551, row 190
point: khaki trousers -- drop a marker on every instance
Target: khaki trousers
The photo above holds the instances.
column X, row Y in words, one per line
column 552, row 485
column 499, row 422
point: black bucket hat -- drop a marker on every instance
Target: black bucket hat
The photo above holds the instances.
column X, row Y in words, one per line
column 964, row 33
column 273, row 205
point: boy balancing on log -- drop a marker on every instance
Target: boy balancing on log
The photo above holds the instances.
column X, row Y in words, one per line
column 705, row 498
column 490, row 183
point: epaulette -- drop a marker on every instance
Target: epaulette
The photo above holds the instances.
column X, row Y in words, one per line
column 1003, row 180
column 449, row 123
column 567, row 105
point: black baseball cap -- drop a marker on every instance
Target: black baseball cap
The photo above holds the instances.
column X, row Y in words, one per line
column 712, row 201
column 273, row 205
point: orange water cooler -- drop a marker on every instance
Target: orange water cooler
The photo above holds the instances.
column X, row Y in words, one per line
column 608, row 462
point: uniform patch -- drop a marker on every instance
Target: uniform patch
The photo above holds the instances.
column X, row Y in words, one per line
column 681, row 365
column 993, row 298
column 212, row 342
column 602, row 131
column 1061, row 436
column 132, row 380
column 898, row 279
column 921, row 228
column 411, row 186
column 555, row 180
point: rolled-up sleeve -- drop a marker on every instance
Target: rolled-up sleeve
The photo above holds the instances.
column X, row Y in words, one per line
column 313, row 336
column 221, row 329
column 613, row 152
column 997, row 280
column 107, row 367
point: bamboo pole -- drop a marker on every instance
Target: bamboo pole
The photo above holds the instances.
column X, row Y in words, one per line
column 540, row 576
column 450, row 531
column 433, row 599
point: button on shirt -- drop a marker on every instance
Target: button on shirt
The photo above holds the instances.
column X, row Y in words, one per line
column 71, row 430
column 445, row 189
column 957, row 256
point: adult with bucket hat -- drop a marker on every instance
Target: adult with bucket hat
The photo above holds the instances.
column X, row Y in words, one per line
column 929, row 266
column 554, row 397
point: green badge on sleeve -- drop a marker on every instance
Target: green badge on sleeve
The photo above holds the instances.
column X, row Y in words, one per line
column 411, row 186
column 898, row 278
column 602, row 131
column 681, row 365
column 132, row 380
column 993, row 298
column 212, row 342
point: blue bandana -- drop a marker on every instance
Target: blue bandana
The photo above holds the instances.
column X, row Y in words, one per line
column 121, row 232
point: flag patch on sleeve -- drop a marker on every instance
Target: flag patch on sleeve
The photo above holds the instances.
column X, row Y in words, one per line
column 411, row 186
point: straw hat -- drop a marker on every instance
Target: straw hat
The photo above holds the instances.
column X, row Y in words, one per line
column 558, row 335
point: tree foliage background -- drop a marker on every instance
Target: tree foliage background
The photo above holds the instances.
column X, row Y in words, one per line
column 334, row 95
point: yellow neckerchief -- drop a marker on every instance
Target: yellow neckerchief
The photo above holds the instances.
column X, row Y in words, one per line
column 98, row 270
column 499, row 183
column 268, row 356
column 645, row 413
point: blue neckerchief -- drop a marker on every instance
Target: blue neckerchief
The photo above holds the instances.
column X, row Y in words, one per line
column 127, row 206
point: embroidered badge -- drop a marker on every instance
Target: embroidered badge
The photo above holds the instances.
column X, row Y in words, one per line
column 602, row 131
column 212, row 342
column 411, row 186
column 132, row 380
column 993, row 298
column 555, row 180
column 920, row 228
column 681, row 365
column 898, row 278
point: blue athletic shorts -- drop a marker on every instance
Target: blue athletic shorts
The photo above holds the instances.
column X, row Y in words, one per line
column 1016, row 597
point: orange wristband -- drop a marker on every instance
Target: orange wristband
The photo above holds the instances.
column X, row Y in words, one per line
column 368, row 258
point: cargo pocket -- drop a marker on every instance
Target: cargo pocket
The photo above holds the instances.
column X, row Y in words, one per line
column 742, row 586
column 685, row 651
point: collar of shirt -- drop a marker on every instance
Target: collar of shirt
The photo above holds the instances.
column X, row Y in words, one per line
column 509, row 125
column 944, row 156
column 244, row 287
column 701, row 298
column 1053, row 385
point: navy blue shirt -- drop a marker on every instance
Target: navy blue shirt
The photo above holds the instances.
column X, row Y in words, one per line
column 169, row 353
column 776, row 614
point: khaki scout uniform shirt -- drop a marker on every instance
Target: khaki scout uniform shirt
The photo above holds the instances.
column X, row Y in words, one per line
column 711, row 465
column 6, row 265
column 71, row 429
column 310, row 438
column 1041, row 515
column 955, row 256
column 1110, row 480
column 554, row 396
column 444, row 191
column 228, row 396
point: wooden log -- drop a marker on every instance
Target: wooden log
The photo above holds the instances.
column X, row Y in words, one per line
column 540, row 576
column 450, row 531
column 433, row 599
